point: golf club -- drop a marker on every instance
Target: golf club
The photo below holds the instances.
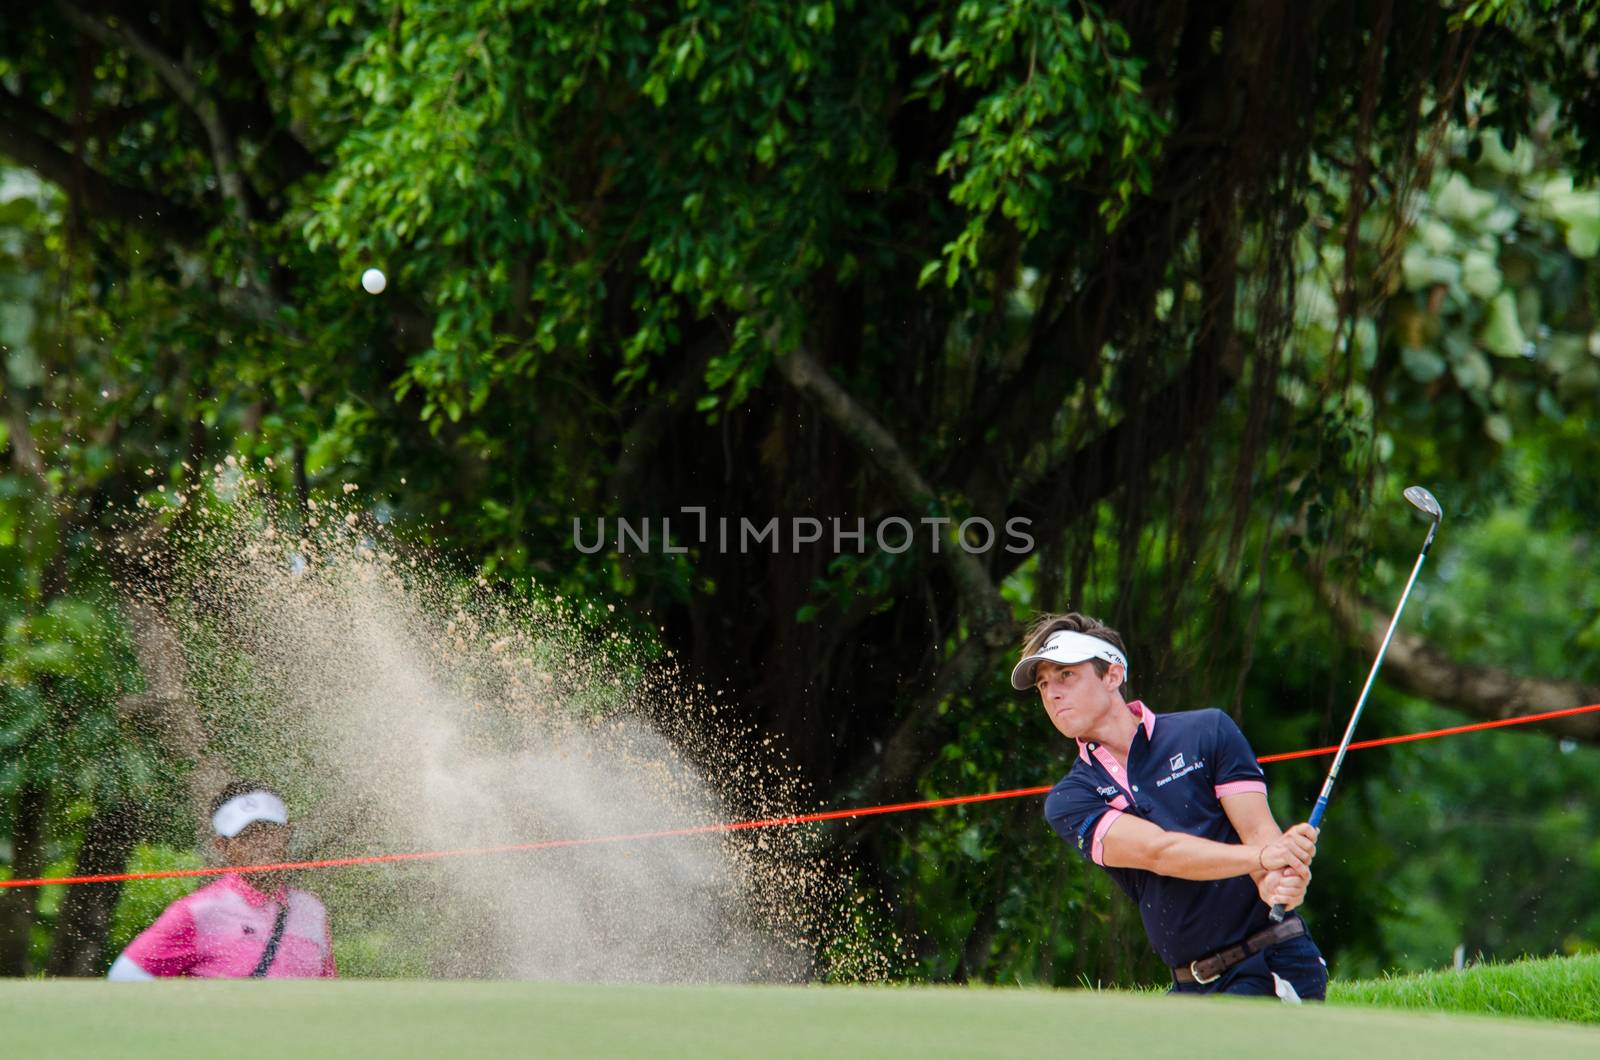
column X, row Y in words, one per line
column 1428, row 504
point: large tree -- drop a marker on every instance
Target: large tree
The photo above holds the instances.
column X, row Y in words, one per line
column 928, row 261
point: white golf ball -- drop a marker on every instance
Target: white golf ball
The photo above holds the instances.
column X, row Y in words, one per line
column 373, row 281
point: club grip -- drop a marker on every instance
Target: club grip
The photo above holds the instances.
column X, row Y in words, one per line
column 1317, row 811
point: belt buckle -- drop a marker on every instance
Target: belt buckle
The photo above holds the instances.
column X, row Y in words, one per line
column 1200, row 979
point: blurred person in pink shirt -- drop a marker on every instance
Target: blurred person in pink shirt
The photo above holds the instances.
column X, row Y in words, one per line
column 246, row 924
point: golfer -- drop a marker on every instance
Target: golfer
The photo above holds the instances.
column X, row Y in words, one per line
column 246, row 924
column 1174, row 808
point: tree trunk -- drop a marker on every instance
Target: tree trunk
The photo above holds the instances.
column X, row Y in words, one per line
column 78, row 947
column 19, row 906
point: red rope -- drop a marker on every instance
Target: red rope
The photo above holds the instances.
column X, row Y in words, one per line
column 1454, row 730
column 744, row 826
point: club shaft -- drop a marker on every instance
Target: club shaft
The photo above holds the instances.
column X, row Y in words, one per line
column 1321, row 807
column 1366, row 689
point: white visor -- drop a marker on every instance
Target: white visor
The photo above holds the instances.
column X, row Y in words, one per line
column 233, row 816
column 1066, row 648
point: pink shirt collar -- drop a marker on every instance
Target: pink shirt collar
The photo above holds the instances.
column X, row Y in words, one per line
column 1146, row 718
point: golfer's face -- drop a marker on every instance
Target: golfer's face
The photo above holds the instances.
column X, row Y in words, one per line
column 260, row 843
column 1074, row 696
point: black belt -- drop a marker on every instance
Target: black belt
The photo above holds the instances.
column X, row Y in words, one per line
column 1209, row 969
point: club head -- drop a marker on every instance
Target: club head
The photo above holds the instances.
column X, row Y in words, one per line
column 1425, row 501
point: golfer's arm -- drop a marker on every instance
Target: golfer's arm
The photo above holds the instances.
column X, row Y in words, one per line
column 1252, row 819
column 1134, row 843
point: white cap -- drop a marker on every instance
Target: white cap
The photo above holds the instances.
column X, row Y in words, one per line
column 1066, row 647
column 241, row 811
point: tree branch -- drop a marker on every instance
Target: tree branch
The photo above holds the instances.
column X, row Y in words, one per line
column 224, row 152
column 989, row 618
column 93, row 190
column 991, row 614
column 1488, row 692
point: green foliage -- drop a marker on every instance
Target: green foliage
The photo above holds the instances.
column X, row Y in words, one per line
column 1475, row 832
column 602, row 223
column 377, row 955
column 708, row 142
column 1500, row 283
column 1059, row 97
column 65, row 668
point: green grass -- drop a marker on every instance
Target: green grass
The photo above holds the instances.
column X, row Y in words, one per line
column 400, row 1019
column 1555, row 988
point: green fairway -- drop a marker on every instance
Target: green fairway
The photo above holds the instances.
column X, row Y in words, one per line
column 428, row 1019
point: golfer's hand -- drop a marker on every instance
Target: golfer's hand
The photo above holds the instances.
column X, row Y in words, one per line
column 1284, row 887
column 1292, row 850
column 1306, row 833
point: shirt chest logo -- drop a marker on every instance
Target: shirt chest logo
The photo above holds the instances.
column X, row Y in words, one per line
column 1180, row 769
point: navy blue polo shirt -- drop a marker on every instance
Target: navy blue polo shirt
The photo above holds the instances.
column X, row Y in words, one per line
column 1179, row 768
